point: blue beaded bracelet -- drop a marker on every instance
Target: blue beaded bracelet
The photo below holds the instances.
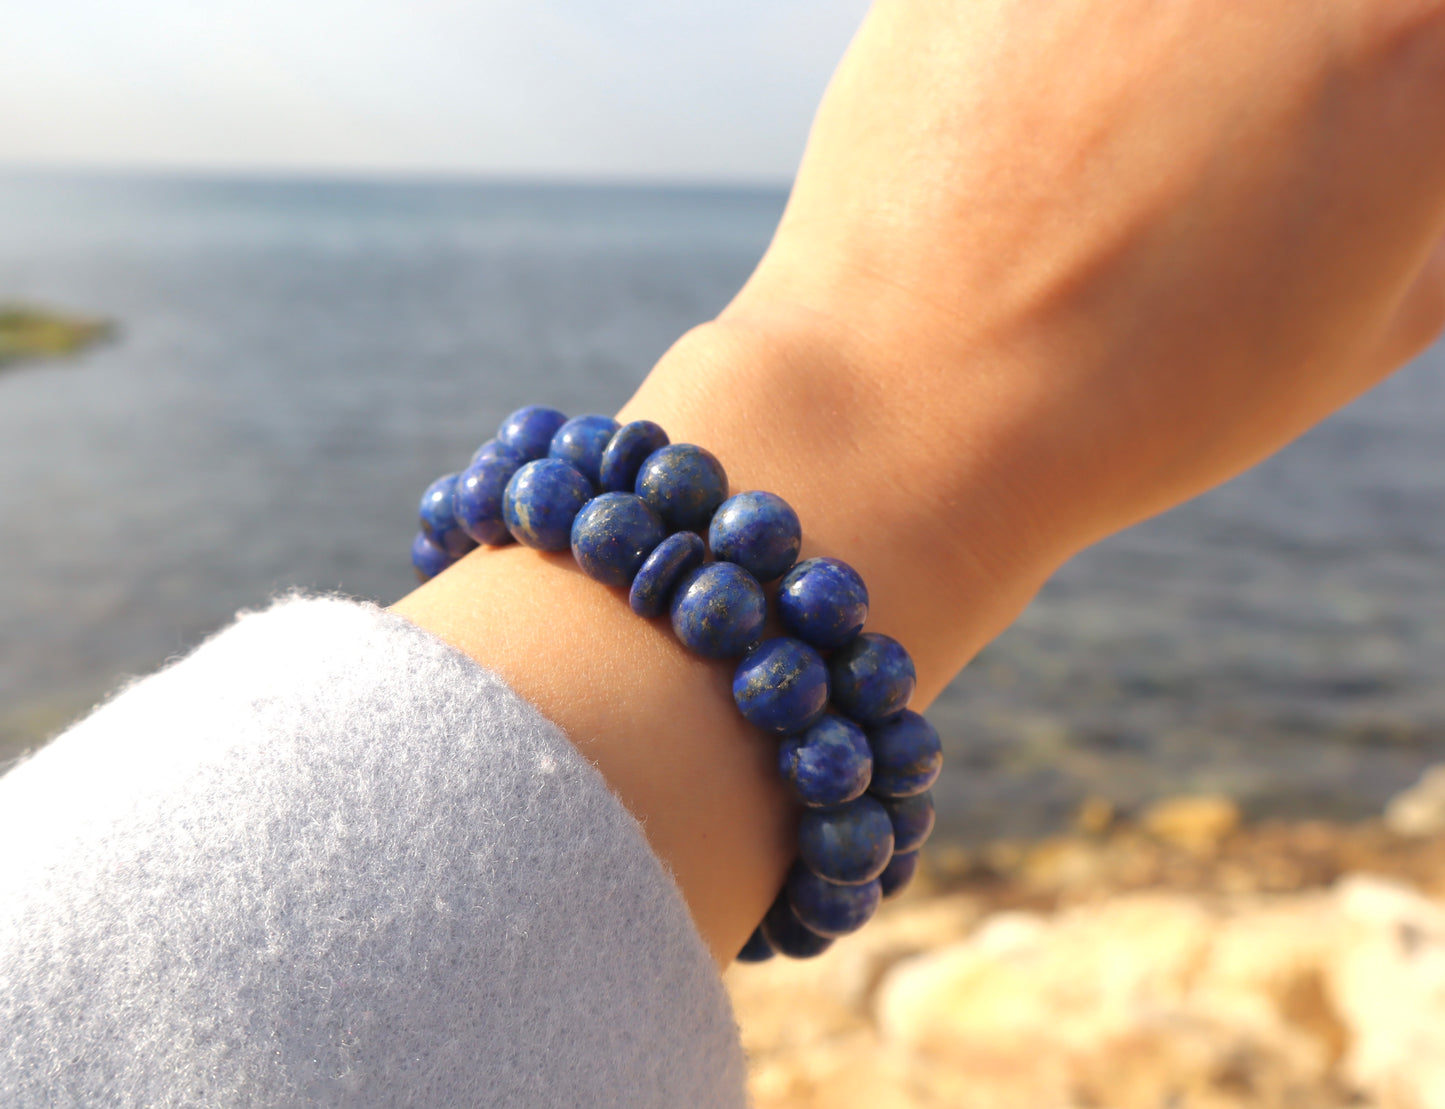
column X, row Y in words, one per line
column 634, row 508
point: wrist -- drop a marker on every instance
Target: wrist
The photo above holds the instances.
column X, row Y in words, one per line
column 934, row 508
column 789, row 406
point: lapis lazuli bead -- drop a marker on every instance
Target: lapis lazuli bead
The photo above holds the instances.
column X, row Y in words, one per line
column 898, row 873
column 848, row 844
column 759, row 531
column 782, row 686
column 542, row 500
column 829, row 909
column 439, row 522
column 581, row 441
column 757, row 949
column 823, row 601
column 498, row 450
column 684, row 485
column 790, row 936
column 913, row 819
column 672, row 560
column 828, row 764
column 626, row 453
column 613, row 535
column 719, row 610
column 872, row 677
column 427, row 558
column 907, row 756
column 477, row 500
column 529, row 430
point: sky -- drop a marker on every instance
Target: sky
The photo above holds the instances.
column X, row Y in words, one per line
column 687, row 90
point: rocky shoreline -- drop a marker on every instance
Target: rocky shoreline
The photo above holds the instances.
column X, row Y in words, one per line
column 1181, row 960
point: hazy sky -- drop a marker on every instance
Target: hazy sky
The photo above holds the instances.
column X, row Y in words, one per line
column 694, row 89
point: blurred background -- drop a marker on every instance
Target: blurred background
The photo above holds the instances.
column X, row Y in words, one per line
column 339, row 242
column 335, row 243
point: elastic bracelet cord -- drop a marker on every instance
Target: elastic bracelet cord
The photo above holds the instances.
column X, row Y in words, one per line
column 634, row 508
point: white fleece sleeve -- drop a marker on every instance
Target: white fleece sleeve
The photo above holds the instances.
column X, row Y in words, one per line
column 329, row 860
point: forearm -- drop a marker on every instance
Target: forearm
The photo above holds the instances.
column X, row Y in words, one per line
column 789, row 407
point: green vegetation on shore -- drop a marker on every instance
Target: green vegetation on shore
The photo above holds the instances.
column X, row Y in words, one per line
column 27, row 332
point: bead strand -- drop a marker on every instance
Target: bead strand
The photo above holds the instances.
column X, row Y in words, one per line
column 634, row 508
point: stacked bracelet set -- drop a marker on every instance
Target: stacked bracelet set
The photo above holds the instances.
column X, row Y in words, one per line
column 634, row 509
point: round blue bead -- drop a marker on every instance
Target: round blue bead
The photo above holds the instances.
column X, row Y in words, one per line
column 790, row 936
column 782, row 687
column 848, row 844
column 529, row 430
column 435, row 508
column 439, row 522
column 718, row 610
column 427, row 558
column 757, row 949
column 684, row 485
column 613, row 535
column 828, row 764
column 828, row 909
column 675, row 557
column 542, row 500
column 626, row 453
column 872, row 677
column 477, row 501
column 907, row 756
column 823, row 601
column 898, row 873
column 497, row 450
column 759, row 531
column 912, row 818
column 581, row 441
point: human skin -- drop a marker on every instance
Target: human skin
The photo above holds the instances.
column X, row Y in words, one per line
column 1049, row 267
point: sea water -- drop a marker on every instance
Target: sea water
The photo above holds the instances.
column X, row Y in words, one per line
column 297, row 359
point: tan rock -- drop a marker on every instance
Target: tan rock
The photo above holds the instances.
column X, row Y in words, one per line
column 1063, row 863
column 1265, row 975
column 793, row 1007
column 1419, row 810
column 1095, row 816
column 850, row 1072
column 1388, row 980
column 972, row 1076
column 1218, row 994
column 1137, row 1002
column 1071, row 983
column 1196, row 824
column 1193, row 1062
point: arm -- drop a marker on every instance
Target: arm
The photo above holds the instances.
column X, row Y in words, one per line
column 1047, row 269
column 327, row 860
